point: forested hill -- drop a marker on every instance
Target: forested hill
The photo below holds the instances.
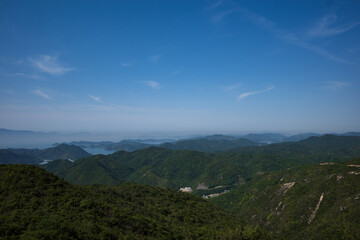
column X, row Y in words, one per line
column 9, row 157
column 210, row 144
column 36, row 156
column 311, row 202
column 35, row 204
column 178, row 168
column 153, row 166
column 63, row 151
column 332, row 143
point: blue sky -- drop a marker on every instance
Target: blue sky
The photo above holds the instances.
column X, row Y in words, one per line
column 216, row 66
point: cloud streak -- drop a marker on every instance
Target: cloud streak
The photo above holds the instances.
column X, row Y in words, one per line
column 247, row 94
column 267, row 25
column 335, row 85
column 232, row 87
column 326, row 26
column 155, row 58
column 48, row 64
column 176, row 72
column 41, row 94
column 218, row 17
column 25, row 75
column 215, row 5
column 153, row 84
column 127, row 64
column 97, row 99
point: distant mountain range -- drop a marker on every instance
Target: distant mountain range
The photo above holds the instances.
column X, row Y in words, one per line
column 9, row 157
column 211, row 143
column 36, row 156
column 31, row 139
column 125, row 145
column 215, row 143
column 178, row 168
column 269, row 138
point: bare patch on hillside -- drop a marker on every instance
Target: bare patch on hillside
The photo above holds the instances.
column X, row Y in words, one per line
column 202, row 186
column 354, row 165
column 313, row 214
column 286, row 187
column 326, row 163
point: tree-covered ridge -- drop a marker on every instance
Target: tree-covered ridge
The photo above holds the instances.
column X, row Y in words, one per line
column 180, row 168
column 124, row 145
column 35, row 204
column 310, row 202
column 36, row 156
column 155, row 166
column 9, row 157
column 63, row 151
column 214, row 143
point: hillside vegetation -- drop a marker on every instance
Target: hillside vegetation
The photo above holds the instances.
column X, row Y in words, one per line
column 313, row 202
column 36, row 156
column 35, row 204
column 63, row 151
column 9, row 157
column 180, row 168
column 214, row 143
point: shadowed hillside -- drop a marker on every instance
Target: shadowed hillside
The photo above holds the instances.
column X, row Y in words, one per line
column 215, row 143
column 35, row 204
column 35, row 156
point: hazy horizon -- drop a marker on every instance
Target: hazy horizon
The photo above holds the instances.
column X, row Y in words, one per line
column 39, row 139
column 211, row 66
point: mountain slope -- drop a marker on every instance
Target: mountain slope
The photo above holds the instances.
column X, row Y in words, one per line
column 299, row 137
column 124, row 145
column 9, row 157
column 63, row 151
column 289, row 154
column 210, row 144
column 312, row 202
column 174, row 168
column 35, row 204
column 179, row 168
column 35, row 156
column 265, row 137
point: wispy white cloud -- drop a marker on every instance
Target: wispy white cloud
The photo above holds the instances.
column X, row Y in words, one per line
column 97, row 99
column 21, row 74
column 8, row 91
column 176, row 72
column 215, row 5
column 48, row 64
column 153, row 84
column 335, row 85
column 247, row 94
column 155, row 58
column 11, row 61
column 327, row 26
column 128, row 64
column 41, row 94
column 219, row 16
column 231, row 87
column 267, row 25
